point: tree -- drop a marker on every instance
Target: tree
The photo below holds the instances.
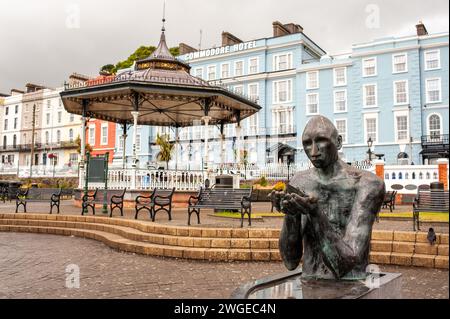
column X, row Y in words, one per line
column 78, row 143
column 165, row 149
column 110, row 68
column 140, row 53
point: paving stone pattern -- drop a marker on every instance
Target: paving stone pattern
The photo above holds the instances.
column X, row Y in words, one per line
column 34, row 266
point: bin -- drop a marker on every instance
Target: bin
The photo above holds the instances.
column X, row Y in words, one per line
column 224, row 181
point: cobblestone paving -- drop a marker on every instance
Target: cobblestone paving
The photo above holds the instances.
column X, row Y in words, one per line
column 34, row 266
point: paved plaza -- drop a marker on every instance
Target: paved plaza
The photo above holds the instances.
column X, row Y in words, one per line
column 34, row 266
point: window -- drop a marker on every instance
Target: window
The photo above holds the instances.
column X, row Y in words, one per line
column 211, row 73
column 47, row 137
column 370, row 127
column 369, row 67
column 199, row 73
column 92, row 135
column 121, row 142
column 71, row 135
column 400, row 63
column 340, row 101
column 6, row 110
column 225, row 68
column 49, row 104
column 14, row 140
column 138, row 141
column 15, row 122
column 282, row 61
column 47, row 118
column 59, row 116
column 401, row 127
column 253, row 65
column 16, row 109
column 238, row 68
column 401, row 95
column 433, row 90
column 253, row 124
column 58, row 136
column 5, row 127
column 312, row 103
column 340, row 76
column 239, row 89
column 104, row 134
column 73, row 158
column 434, row 126
column 72, row 117
column 341, row 126
column 432, row 60
column 370, row 95
column 312, row 80
column 282, row 121
column 282, row 91
column 5, row 141
column 253, row 91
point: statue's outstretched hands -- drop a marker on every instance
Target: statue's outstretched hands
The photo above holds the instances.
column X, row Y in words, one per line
column 294, row 204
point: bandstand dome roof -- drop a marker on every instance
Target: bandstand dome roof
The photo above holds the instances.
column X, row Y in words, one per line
column 163, row 91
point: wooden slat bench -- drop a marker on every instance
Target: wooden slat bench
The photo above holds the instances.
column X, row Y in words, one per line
column 24, row 196
column 429, row 201
column 221, row 198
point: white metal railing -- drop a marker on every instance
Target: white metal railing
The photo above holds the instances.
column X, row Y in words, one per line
column 407, row 178
column 149, row 179
column 40, row 171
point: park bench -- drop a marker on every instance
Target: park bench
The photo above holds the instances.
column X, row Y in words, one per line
column 158, row 200
column 429, row 201
column 223, row 199
column 389, row 200
column 116, row 201
column 24, row 196
column 88, row 200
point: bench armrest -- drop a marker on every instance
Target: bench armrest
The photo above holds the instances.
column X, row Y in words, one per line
column 246, row 201
column 193, row 198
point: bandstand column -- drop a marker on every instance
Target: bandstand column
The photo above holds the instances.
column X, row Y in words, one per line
column 238, row 143
column 135, row 115
column 222, row 143
column 124, row 138
column 206, row 119
column 82, row 144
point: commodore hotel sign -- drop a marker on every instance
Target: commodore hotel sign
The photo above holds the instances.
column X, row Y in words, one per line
column 219, row 51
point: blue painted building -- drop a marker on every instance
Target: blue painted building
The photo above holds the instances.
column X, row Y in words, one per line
column 391, row 90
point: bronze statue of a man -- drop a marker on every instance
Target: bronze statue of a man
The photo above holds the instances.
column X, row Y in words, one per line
column 329, row 210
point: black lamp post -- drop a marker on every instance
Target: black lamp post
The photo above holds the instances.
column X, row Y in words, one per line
column 369, row 144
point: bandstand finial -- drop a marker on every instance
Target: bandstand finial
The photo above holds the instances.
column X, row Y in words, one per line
column 164, row 17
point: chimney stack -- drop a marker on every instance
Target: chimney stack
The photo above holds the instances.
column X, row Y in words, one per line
column 421, row 29
column 280, row 29
column 229, row 39
column 184, row 48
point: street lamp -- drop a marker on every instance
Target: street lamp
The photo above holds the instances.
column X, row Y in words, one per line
column 369, row 144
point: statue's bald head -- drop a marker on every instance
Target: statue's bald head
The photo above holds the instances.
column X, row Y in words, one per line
column 321, row 141
column 321, row 125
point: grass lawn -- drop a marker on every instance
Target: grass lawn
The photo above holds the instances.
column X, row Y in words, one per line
column 426, row 216
column 238, row 215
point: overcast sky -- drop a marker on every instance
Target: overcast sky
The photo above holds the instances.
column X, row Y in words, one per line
column 44, row 41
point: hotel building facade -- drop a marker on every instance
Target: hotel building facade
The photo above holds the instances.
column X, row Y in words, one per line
column 392, row 90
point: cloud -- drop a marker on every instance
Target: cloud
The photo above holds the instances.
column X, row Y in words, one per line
column 44, row 41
